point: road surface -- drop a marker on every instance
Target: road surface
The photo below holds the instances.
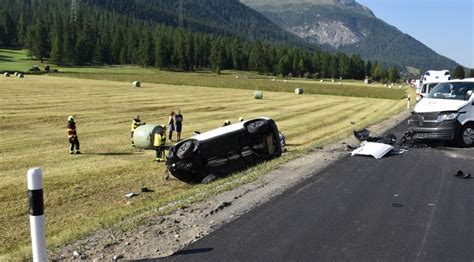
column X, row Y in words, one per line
column 409, row 207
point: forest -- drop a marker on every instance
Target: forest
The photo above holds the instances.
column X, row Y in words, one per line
column 98, row 36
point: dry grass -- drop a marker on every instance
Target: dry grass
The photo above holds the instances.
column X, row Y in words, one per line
column 86, row 192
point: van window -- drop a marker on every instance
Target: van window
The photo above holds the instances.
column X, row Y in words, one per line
column 423, row 89
column 453, row 90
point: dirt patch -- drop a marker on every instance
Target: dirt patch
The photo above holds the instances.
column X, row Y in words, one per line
column 161, row 236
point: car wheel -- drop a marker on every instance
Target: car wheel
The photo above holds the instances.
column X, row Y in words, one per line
column 257, row 127
column 185, row 150
column 208, row 179
column 466, row 137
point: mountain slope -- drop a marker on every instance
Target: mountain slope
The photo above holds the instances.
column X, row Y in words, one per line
column 222, row 17
column 346, row 26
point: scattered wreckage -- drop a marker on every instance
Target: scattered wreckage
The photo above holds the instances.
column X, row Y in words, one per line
column 225, row 150
column 380, row 146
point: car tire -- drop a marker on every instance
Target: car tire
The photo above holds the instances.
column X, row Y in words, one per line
column 466, row 136
column 208, row 179
column 185, row 149
column 257, row 127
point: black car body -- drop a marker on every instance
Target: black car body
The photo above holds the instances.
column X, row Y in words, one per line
column 222, row 151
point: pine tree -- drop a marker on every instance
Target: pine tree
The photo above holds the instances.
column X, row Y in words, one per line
column 472, row 73
column 57, row 52
column 459, row 72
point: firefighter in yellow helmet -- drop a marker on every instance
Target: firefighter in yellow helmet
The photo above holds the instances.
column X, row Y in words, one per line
column 136, row 122
column 72, row 135
column 159, row 143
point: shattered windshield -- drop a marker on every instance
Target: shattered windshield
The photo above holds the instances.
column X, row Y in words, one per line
column 452, row 90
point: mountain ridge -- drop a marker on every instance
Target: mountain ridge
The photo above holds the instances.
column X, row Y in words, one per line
column 347, row 26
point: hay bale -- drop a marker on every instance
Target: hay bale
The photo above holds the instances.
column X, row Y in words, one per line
column 20, row 75
column 16, row 73
column 136, row 83
column 339, row 83
column 258, row 94
column 6, row 74
column 144, row 136
column 321, row 81
column 299, row 91
column 274, row 80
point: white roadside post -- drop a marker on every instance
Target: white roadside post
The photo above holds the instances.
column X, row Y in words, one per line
column 36, row 211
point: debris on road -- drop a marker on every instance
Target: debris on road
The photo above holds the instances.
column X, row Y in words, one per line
column 377, row 150
column 460, row 173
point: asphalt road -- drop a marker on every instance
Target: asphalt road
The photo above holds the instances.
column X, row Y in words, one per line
column 409, row 207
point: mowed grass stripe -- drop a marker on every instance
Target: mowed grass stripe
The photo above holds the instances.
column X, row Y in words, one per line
column 87, row 191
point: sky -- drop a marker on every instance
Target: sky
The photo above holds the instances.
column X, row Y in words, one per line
column 446, row 26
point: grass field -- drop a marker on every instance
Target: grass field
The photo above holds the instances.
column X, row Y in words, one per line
column 17, row 60
column 86, row 192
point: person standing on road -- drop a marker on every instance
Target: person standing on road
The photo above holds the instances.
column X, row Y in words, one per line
column 179, row 125
column 136, row 122
column 171, row 125
column 72, row 135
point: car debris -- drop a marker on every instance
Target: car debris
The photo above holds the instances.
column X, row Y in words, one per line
column 377, row 150
column 131, row 194
column 460, row 173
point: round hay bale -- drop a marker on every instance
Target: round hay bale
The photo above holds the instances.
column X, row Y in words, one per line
column 6, row 74
column 136, row 83
column 20, row 75
column 274, row 79
column 144, row 136
column 339, row 83
column 321, row 81
column 16, row 73
column 299, row 91
column 258, row 94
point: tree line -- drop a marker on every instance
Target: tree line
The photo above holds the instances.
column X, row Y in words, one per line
column 108, row 39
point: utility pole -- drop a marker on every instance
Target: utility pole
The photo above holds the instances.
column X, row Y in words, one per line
column 180, row 14
column 74, row 8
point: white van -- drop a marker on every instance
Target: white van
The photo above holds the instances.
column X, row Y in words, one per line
column 447, row 113
column 426, row 89
column 436, row 76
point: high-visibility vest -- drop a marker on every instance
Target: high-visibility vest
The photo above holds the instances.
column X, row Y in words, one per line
column 71, row 130
column 160, row 140
column 135, row 123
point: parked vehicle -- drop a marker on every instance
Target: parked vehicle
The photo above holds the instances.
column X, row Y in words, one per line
column 222, row 151
column 436, row 76
column 426, row 89
column 447, row 113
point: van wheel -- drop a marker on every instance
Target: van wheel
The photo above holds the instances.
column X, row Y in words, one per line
column 466, row 137
column 208, row 179
column 256, row 127
column 185, row 150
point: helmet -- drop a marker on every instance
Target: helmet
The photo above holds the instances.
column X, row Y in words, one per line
column 71, row 118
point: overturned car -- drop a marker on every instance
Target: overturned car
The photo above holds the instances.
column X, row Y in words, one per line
column 222, row 151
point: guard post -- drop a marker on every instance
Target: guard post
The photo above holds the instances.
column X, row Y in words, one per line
column 36, row 211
